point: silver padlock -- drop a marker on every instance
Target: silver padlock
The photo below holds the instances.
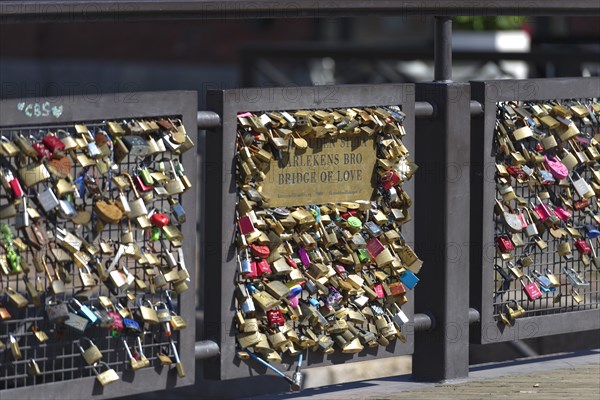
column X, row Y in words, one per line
column 48, row 200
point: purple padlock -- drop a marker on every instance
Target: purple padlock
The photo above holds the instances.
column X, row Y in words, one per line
column 304, row 258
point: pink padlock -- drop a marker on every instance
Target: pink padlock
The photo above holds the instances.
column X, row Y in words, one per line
column 378, row 288
column 557, row 168
column 562, row 214
column 542, row 211
column 532, row 290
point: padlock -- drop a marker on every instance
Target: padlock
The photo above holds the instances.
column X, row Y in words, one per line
column 17, row 298
column 106, row 377
column 104, row 318
column 133, row 362
column 138, row 207
column 83, row 310
column 578, row 298
column 178, row 364
column 136, row 145
column 515, row 312
column 4, row 314
column 164, row 358
column 177, row 321
column 576, row 280
column 76, row 322
column 39, row 334
column 583, row 247
column 92, row 354
column 583, row 189
column 164, row 317
column 131, row 327
column 142, row 361
column 33, row 369
column 57, row 311
column 545, row 284
column 15, row 349
column 409, row 279
column 48, row 200
column 564, row 250
column 531, row 289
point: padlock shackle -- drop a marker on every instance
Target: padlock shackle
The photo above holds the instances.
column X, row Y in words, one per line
column 131, row 183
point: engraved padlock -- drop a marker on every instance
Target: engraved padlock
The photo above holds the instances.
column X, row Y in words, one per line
column 92, row 354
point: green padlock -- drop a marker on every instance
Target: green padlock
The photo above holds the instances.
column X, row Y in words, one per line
column 146, row 177
column 363, row 255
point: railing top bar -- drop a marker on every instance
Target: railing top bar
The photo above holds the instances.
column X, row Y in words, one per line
column 57, row 10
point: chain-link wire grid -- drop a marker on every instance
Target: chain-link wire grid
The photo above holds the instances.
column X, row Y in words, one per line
column 59, row 357
column 559, row 299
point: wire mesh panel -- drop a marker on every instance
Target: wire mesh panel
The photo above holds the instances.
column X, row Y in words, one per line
column 536, row 159
column 93, row 232
column 283, row 154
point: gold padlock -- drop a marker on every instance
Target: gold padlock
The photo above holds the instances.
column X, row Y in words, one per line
column 14, row 348
column 106, row 377
column 17, row 298
column 564, row 249
column 177, row 322
column 148, row 313
column 164, row 359
column 33, row 368
column 92, row 354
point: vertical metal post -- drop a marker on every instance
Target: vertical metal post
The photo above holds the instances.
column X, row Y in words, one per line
column 443, row 49
column 442, row 232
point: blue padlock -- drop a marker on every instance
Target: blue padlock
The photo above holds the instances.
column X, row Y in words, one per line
column 84, row 311
column 131, row 327
column 409, row 279
column 592, row 232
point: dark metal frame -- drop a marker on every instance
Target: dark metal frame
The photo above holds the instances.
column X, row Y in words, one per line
column 220, row 205
column 64, row 10
column 120, row 106
column 488, row 93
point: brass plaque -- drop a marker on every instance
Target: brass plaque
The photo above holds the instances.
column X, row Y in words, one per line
column 328, row 170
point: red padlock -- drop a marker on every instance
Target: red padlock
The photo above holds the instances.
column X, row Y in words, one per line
column 291, row 262
column 583, row 247
column 43, row 151
column 374, row 247
column 53, row 143
column 349, row 213
column 246, row 225
column 253, row 270
column 263, row 267
column 259, row 250
column 532, row 291
column 141, row 185
column 516, row 172
column 580, row 204
column 275, row 318
column 389, row 180
column 15, row 185
column 159, row 220
column 505, row 244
